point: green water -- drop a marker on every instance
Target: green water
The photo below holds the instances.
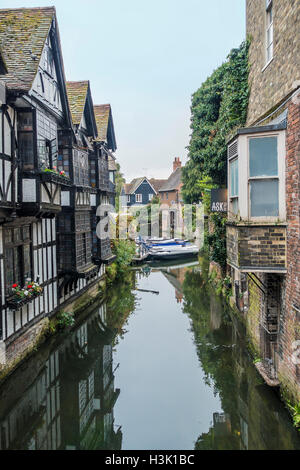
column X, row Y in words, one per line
column 146, row 371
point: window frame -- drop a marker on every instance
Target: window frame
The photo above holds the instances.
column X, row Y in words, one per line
column 17, row 245
column 139, row 198
column 151, row 196
column 235, row 198
column 262, row 178
column 269, row 32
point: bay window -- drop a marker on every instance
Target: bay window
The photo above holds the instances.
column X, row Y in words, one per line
column 263, row 177
column 256, row 174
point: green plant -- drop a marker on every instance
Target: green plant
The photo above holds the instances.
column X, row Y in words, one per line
column 257, row 360
column 219, row 106
column 217, row 240
column 124, row 251
column 295, row 411
column 65, row 319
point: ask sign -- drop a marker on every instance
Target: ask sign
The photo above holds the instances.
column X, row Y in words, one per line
column 218, row 200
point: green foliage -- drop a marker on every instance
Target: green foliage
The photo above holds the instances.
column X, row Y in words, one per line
column 217, row 240
column 119, row 181
column 219, row 106
column 65, row 319
column 124, row 251
column 295, row 410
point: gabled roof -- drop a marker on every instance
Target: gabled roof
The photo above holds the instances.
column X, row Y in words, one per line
column 105, row 125
column 23, row 33
column 173, row 182
column 77, row 94
column 135, row 184
column 81, row 104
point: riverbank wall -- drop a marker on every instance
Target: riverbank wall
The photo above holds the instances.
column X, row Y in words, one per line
column 13, row 353
column 247, row 306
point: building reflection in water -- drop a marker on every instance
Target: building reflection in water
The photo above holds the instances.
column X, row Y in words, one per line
column 70, row 400
column 252, row 415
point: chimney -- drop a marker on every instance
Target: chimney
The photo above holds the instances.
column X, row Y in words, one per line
column 176, row 164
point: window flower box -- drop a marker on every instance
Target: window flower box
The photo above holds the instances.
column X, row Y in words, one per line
column 22, row 296
column 53, row 176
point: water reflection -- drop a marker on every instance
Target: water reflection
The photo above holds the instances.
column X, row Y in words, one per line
column 65, row 397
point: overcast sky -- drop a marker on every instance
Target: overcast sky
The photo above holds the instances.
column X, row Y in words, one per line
column 146, row 58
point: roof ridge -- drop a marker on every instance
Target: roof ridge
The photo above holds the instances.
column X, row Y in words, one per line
column 29, row 8
column 77, row 81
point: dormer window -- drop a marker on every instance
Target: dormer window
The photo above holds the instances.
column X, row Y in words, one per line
column 269, row 31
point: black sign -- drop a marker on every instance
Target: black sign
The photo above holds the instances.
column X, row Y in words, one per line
column 218, row 200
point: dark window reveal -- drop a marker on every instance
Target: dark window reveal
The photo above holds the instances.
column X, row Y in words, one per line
column 25, row 140
column 18, row 267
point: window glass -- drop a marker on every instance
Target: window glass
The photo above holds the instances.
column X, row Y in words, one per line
column 264, row 198
column 26, row 150
column 234, row 178
column 263, row 156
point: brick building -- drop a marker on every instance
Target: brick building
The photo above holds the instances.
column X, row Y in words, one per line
column 264, row 183
column 170, row 192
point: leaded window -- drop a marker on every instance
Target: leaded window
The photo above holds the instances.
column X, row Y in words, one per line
column 46, row 141
column 17, row 255
column 81, row 168
column 25, row 139
column 83, row 240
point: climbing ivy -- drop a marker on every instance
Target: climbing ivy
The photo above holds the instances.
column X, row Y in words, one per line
column 218, row 107
column 217, row 240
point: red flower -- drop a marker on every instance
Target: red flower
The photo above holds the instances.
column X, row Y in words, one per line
column 14, row 286
column 29, row 287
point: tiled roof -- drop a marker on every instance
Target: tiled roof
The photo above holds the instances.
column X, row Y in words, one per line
column 157, row 184
column 102, row 114
column 127, row 188
column 111, row 164
column 173, row 182
column 77, row 93
column 23, row 33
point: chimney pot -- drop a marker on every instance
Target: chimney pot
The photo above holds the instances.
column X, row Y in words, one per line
column 176, row 163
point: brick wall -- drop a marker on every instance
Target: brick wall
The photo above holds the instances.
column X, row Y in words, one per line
column 272, row 85
column 256, row 246
column 290, row 323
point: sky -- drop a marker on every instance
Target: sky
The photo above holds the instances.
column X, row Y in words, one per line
column 146, row 58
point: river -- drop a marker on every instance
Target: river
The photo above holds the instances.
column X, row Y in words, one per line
column 161, row 364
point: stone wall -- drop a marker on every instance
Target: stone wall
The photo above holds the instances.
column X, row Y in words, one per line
column 271, row 85
column 251, row 246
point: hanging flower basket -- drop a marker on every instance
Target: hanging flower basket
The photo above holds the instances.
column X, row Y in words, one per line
column 22, row 296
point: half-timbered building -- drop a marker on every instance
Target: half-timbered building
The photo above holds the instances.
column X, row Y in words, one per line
column 104, row 146
column 53, row 175
column 34, row 108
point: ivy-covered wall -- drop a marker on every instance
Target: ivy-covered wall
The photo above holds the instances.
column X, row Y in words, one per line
column 218, row 107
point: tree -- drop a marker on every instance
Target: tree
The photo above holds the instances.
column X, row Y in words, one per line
column 219, row 106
